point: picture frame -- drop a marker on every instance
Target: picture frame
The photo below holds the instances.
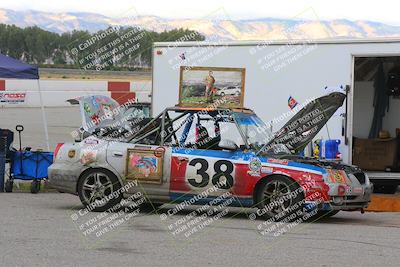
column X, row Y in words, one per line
column 211, row 87
column 145, row 166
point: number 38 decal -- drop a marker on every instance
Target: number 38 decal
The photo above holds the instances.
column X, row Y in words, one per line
column 216, row 178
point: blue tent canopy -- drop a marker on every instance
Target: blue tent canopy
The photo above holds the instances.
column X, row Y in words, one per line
column 15, row 69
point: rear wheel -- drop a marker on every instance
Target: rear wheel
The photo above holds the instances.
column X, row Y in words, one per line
column 280, row 197
column 99, row 190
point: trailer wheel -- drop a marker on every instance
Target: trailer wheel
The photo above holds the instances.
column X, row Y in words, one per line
column 99, row 190
column 35, row 186
column 280, row 198
column 8, row 187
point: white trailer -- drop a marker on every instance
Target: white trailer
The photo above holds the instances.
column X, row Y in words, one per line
column 301, row 69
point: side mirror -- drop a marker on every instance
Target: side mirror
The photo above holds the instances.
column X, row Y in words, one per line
column 228, row 145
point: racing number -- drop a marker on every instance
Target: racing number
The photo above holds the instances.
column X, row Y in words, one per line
column 205, row 178
column 216, row 179
column 227, row 174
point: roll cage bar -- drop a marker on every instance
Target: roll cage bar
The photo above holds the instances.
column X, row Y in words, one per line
column 163, row 129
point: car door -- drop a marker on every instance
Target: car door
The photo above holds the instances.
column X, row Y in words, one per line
column 207, row 172
column 148, row 165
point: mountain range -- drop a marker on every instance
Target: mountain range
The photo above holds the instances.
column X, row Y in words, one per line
column 218, row 29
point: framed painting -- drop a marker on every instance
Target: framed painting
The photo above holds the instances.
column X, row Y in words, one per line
column 144, row 166
column 211, row 87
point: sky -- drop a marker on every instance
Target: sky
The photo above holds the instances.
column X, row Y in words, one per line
column 386, row 11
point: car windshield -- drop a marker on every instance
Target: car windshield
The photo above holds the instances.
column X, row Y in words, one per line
column 257, row 134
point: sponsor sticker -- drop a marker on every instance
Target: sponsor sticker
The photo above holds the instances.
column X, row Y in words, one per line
column 91, row 141
column 278, row 161
column 159, row 151
column 266, row 170
column 255, row 167
column 338, row 176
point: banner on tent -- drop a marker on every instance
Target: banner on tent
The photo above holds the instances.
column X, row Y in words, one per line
column 13, row 98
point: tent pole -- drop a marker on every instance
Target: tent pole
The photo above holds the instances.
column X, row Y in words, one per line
column 46, row 132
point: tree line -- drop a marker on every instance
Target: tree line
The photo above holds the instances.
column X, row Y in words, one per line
column 112, row 48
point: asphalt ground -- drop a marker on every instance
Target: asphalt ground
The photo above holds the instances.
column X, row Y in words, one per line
column 51, row 229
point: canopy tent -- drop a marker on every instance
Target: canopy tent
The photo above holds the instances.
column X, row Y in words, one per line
column 11, row 68
column 15, row 69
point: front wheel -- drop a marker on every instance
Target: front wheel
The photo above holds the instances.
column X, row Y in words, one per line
column 99, row 190
column 280, row 197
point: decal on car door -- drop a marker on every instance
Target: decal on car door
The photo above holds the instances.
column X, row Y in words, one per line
column 195, row 174
column 145, row 165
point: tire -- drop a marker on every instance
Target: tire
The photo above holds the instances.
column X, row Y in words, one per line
column 237, row 93
column 98, row 185
column 8, row 187
column 35, row 186
column 276, row 189
column 222, row 94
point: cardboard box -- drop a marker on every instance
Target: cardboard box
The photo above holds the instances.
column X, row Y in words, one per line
column 375, row 154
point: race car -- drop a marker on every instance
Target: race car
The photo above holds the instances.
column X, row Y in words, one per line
column 196, row 155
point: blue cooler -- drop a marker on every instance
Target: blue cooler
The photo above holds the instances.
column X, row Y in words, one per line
column 329, row 149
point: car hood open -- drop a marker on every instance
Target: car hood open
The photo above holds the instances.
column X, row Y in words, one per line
column 96, row 111
column 305, row 125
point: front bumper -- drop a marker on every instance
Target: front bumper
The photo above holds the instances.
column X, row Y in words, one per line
column 343, row 197
column 340, row 203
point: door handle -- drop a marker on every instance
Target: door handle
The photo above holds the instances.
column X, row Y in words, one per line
column 117, row 154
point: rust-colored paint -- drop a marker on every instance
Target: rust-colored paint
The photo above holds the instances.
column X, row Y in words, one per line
column 2, row 85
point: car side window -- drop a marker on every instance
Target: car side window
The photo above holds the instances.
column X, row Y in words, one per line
column 229, row 131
